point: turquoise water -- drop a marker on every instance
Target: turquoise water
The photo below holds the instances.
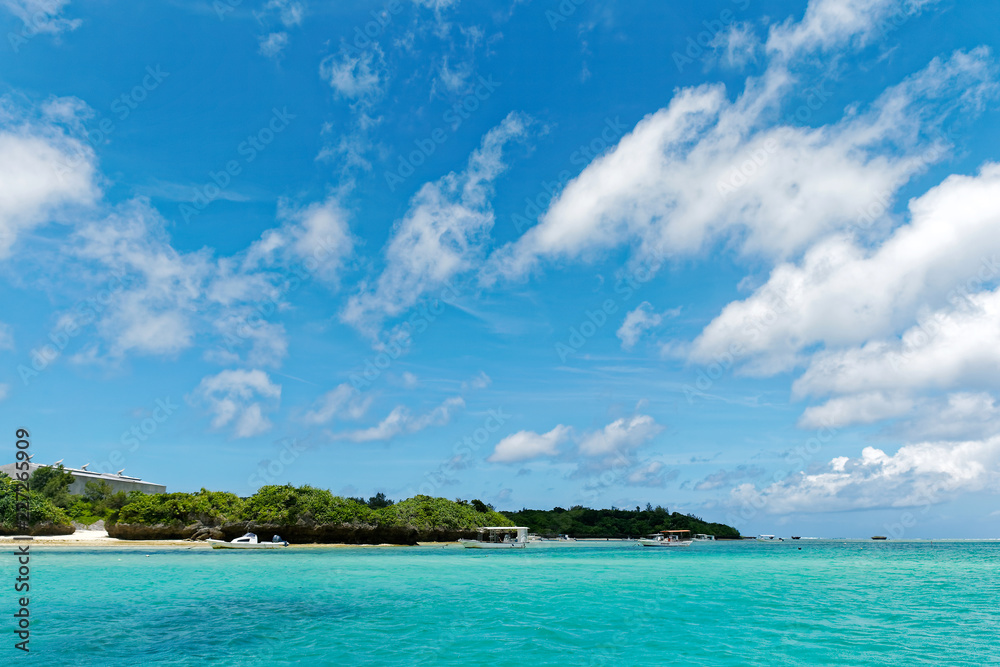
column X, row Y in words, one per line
column 830, row 603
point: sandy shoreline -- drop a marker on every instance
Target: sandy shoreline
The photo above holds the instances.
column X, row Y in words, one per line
column 99, row 538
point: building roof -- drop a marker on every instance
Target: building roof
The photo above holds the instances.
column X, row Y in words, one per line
column 93, row 475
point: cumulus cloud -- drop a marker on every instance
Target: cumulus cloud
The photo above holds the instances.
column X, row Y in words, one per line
column 830, row 24
column 726, row 478
column 316, row 236
column 342, row 402
column 828, row 299
column 42, row 15
column 272, row 44
column 863, row 408
column 526, row 445
column 45, row 170
column 917, row 474
column 620, row 436
column 638, row 322
column 442, row 234
column 356, row 75
column 705, row 168
column 239, row 398
column 952, row 348
column 401, row 421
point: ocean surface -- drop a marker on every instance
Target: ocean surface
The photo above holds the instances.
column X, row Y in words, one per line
column 726, row 603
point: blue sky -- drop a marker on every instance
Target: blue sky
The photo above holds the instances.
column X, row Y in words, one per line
column 739, row 259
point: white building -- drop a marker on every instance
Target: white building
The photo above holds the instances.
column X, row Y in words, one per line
column 117, row 482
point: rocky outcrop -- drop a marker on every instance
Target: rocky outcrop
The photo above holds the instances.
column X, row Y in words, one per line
column 302, row 532
column 39, row 529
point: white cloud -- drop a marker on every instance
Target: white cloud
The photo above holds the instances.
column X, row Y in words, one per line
column 917, row 474
column 342, row 402
column 291, row 12
column 706, row 168
column 829, row 24
column 828, row 297
column 356, row 75
column 738, row 45
column 273, row 44
column 152, row 315
column 863, row 408
column 442, row 234
column 525, row 445
column 4, row 391
column 638, row 322
column 951, row 349
column 316, row 236
column 41, row 15
column 240, row 398
column 401, row 421
column 44, row 170
column 620, row 436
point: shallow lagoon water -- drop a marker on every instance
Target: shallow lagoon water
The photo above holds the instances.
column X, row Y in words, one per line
column 724, row 603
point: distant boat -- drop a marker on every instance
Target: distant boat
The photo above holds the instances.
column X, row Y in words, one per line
column 879, row 537
column 565, row 538
column 667, row 538
column 534, row 538
column 702, row 537
column 498, row 537
column 796, row 537
column 249, row 541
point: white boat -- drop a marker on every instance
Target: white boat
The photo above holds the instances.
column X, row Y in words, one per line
column 667, row 538
column 498, row 537
column 769, row 538
column 249, row 541
column 534, row 538
column 565, row 538
column 702, row 537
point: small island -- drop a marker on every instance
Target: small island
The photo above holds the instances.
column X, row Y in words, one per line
column 307, row 514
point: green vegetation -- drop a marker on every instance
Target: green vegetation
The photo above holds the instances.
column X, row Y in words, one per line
column 426, row 513
column 42, row 510
column 614, row 523
column 287, row 505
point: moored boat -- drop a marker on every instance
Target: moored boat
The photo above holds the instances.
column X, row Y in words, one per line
column 498, row 537
column 249, row 541
column 702, row 537
column 667, row 538
column 879, row 537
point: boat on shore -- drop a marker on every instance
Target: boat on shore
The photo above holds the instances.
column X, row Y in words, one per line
column 249, row 541
column 667, row 538
column 498, row 537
